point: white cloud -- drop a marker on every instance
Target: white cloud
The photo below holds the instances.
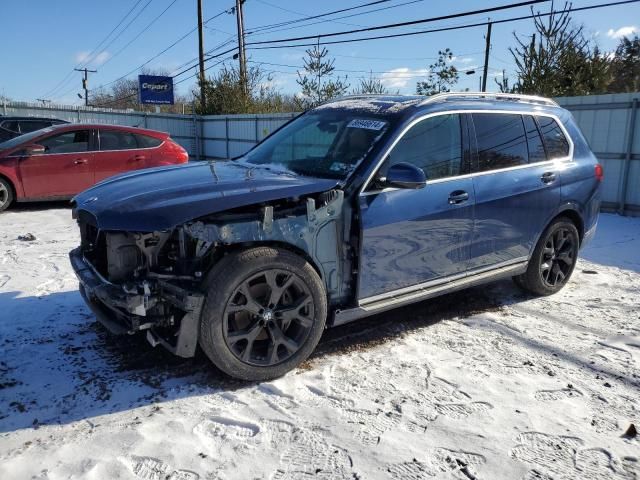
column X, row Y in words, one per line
column 99, row 59
column 400, row 77
column 622, row 32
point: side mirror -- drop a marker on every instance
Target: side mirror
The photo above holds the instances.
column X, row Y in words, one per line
column 405, row 175
column 33, row 149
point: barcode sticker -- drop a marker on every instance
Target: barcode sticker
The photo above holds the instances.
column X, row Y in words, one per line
column 368, row 124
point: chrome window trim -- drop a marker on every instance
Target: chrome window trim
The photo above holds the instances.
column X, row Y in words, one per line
column 125, row 149
column 534, row 112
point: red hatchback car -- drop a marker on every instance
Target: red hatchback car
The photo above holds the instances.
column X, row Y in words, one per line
column 57, row 162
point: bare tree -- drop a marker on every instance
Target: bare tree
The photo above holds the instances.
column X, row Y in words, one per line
column 371, row 85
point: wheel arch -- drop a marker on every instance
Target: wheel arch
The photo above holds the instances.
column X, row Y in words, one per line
column 239, row 246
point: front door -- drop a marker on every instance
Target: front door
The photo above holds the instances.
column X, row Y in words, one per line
column 64, row 169
column 415, row 236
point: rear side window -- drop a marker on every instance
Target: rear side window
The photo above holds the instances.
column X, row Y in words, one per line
column 501, row 140
column 434, row 145
column 67, row 142
column 534, row 141
column 11, row 126
column 555, row 142
column 145, row 141
column 115, row 140
column 33, row 125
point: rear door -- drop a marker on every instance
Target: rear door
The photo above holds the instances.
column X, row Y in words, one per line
column 516, row 188
column 64, row 169
column 118, row 152
column 411, row 237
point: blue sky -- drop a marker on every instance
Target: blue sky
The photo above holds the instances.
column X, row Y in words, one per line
column 44, row 40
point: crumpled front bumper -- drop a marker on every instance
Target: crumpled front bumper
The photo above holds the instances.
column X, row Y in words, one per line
column 124, row 311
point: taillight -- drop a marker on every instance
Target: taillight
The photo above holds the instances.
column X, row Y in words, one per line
column 599, row 172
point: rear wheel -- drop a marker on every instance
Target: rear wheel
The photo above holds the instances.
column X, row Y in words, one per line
column 264, row 314
column 6, row 194
column 553, row 259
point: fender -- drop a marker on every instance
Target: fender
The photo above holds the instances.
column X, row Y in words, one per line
column 9, row 170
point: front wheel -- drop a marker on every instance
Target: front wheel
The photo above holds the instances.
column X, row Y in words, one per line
column 264, row 313
column 553, row 259
column 6, row 194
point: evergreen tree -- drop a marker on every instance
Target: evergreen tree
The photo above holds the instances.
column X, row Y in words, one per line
column 442, row 75
column 316, row 82
column 625, row 70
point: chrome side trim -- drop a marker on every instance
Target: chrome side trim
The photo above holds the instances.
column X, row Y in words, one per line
column 345, row 316
column 383, row 157
column 439, row 281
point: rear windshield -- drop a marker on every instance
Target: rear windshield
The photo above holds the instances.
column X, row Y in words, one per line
column 324, row 143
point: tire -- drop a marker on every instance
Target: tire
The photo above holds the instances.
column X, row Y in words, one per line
column 553, row 260
column 264, row 313
column 6, row 194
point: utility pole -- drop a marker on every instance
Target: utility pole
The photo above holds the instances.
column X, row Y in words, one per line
column 486, row 58
column 241, row 52
column 203, row 100
column 85, row 84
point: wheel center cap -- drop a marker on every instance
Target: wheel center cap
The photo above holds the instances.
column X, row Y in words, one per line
column 267, row 316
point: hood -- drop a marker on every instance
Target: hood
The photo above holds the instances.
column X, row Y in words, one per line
column 162, row 198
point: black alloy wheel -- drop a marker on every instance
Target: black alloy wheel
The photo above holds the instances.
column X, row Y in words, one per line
column 268, row 317
column 558, row 258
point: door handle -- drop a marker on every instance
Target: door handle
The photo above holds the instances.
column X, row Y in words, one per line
column 80, row 161
column 459, row 196
column 138, row 158
column 548, row 177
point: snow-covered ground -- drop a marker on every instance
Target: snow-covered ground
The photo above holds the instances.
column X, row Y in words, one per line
column 487, row 383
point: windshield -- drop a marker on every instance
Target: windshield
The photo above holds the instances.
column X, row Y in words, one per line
column 14, row 142
column 325, row 144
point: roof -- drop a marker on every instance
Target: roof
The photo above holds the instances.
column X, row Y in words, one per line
column 19, row 117
column 406, row 104
column 107, row 125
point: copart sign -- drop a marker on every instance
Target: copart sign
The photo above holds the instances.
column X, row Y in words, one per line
column 155, row 89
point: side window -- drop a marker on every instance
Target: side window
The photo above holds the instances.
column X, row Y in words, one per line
column 534, row 141
column 11, row 126
column 115, row 140
column 554, row 140
column 434, row 145
column 67, row 142
column 145, row 141
column 33, row 125
column 501, row 140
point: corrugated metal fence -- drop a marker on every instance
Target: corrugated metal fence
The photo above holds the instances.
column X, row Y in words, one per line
column 609, row 123
column 611, row 126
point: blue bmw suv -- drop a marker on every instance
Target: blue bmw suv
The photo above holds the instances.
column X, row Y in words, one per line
column 358, row 206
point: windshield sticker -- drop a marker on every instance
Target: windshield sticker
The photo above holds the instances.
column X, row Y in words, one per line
column 368, row 124
column 340, row 167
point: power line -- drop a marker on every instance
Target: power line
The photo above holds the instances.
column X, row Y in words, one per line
column 266, row 29
column 116, row 37
column 139, row 34
column 444, row 29
column 262, row 28
column 163, row 51
column 404, row 24
column 96, row 48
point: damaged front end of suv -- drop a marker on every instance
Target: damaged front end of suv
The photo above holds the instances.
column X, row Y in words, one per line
column 155, row 281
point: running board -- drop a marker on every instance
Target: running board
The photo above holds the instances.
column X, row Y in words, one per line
column 408, row 296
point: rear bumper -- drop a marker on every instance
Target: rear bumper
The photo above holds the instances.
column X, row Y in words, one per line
column 124, row 311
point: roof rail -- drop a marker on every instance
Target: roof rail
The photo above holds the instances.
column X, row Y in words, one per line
column 514, row 97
